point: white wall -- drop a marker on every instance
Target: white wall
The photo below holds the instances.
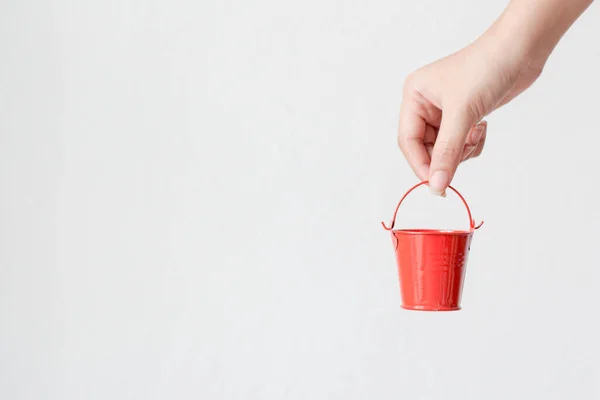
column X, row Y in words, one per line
column 191, row 194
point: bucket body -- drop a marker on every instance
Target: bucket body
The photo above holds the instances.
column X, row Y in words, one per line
column 431, row 263
column 431, row 267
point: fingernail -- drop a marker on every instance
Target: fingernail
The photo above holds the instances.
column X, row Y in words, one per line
column 478, row 132
column 439, row 182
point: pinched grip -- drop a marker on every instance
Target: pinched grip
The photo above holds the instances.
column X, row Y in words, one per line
column 471, row 220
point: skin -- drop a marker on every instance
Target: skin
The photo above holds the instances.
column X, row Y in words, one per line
column 445, row 102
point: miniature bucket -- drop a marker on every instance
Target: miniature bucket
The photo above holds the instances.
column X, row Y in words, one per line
column 431, row 263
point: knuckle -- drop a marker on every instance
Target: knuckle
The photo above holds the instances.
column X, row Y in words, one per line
column 446, row 150
column 410, row 82
column 401, row 142
column 534, row 72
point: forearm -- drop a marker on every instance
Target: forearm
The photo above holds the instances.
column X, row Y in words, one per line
column 528, row 30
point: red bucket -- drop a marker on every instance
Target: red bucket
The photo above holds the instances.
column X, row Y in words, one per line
column 431, row 263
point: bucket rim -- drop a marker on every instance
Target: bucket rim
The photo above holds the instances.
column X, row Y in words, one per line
column 439, row 232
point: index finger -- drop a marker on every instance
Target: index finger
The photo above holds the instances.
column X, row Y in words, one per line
column 411, row 134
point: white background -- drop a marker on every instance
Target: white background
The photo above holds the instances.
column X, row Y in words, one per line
column 190, row 197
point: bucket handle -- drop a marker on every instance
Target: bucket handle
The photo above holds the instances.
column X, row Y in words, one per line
column 471, row 220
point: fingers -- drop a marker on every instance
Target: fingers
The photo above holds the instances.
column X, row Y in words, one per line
column 448, row 149
column 474, row 139
column 479, row 149
column 417, row 129
column 411, row 135
column 417, row 140
column 434, row 143
column 429, row 140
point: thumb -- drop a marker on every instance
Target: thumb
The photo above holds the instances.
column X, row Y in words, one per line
column 448, row 149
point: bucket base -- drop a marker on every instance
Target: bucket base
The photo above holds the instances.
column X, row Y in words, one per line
column 427, row 308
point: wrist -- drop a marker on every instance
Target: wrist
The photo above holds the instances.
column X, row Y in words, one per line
column 528, row 31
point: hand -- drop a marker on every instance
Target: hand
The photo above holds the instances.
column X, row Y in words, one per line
column 444, row 103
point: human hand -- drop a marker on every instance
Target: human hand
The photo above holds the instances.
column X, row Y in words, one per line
column 444, row 102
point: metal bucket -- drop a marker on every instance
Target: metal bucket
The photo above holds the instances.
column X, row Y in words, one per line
column 431, row 263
